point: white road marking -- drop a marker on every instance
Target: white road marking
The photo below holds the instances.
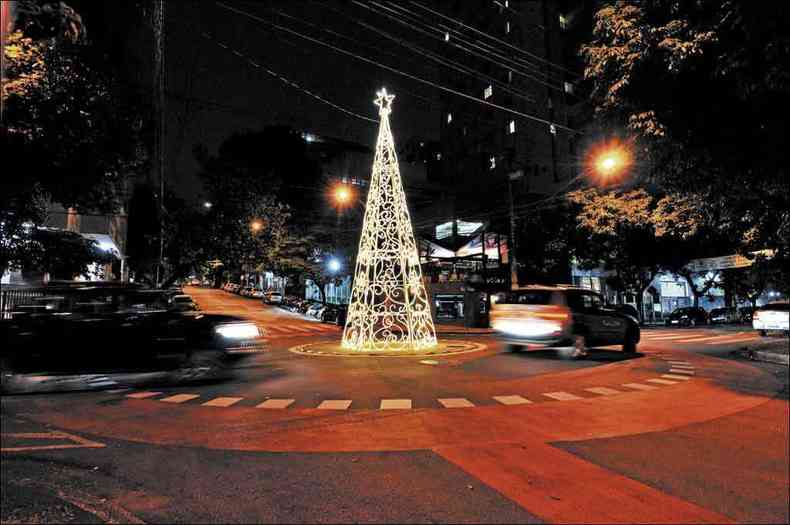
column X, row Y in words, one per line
column 673, row 376
column 663, row 381
column 389, row 404
column 143, row 395
column 512, row 400
column 76, row 441
column 639, row 386
column 562, row 396
column 669, row 337
column 276, row 403
column 222, row 402
column 179, row 398
column 429, row 362
column 679, row 362
column 732, row 340
column 681, row 371
column 603, row 391
column 682, row 367
column 455, row 402
column 335, row 404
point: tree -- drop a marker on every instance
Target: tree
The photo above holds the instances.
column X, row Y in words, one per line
column 713, row 130
column 68, row 132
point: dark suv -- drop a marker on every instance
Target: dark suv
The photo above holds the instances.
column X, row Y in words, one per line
column 687, row 316
column 568, row 318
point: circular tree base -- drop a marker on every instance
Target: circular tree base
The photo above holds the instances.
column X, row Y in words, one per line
column 442, row 348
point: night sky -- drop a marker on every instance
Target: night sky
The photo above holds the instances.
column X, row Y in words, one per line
column 231, row 95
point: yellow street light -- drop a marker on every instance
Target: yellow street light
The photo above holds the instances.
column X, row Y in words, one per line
column 610, row 161
column 256, row 225
column 342, row 194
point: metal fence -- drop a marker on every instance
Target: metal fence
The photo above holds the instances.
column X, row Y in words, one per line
column 12, row 298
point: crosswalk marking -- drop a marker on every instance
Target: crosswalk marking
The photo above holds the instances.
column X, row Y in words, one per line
column 685, row 367
column 179, row 398
column 143, row 395
column 603, row 391
column 276, row 403
column 222, row 401
column 673, row 376
column 732, row 340
column 662, row 381
column 335, row 404
column 670, row 361
column 639, row 386
column 390, row 404
column 512, row 400
column 681, row 371
column 562, row 396
column 455, row 402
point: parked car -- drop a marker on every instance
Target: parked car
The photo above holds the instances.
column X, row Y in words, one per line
column 119, row 328
column 272, row 297
column 335, row 314
column 313, row 309
column 257, row 294
column 567, row 318
column 746, row 313
column 687, row 316
column 724, row 316
column 184, row 303
column 772, row 317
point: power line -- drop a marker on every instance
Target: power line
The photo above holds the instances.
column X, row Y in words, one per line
column 508, row 44
column 441, row 60
column 285, row 80
column 394, row 70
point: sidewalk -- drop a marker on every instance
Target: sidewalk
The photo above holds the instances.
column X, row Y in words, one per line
column 775, row 350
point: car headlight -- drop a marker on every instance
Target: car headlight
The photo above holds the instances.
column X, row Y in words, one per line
column 238, row 331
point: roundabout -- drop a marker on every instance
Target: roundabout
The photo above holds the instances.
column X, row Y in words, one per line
column 443, row 348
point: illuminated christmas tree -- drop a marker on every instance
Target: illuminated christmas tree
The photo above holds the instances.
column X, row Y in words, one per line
column 389, row 307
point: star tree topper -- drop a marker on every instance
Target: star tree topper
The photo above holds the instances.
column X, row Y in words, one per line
column 384, row 102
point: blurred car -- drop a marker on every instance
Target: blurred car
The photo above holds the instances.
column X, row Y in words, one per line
column 567, row 318
column 687, row 316
column 247, row 291
column 102, row 329
column 626, row 309
column 257, row 293
column 272, row 297
column 772, row 317
column 335, row 314
column 184, row 303
column 724, row 316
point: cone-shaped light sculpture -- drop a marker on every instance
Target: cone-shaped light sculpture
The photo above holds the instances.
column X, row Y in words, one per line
column 389, row 308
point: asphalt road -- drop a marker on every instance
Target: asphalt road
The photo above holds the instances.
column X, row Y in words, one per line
column 682, row 432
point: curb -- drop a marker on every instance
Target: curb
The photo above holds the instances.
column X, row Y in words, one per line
column 761, row 355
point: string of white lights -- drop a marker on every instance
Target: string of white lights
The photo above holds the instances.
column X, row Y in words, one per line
column 389, row 308
column 397, row 71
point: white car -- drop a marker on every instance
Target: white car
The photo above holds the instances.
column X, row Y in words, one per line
column 272, row 297
column 772, row 317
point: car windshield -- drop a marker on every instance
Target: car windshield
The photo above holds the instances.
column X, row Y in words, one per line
column 526, row 297
column 776, row 307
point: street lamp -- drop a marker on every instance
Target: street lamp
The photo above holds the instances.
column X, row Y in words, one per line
column 207, row 205
column 341, row 195
column 256, row 225
column 610, row 160
column 334, row 265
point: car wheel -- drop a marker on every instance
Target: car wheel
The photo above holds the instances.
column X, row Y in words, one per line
column 200, row 366
column 629, row 346
column 579, row 347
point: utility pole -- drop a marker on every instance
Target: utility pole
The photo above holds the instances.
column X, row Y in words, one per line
column 159, row 105
column 513, row 245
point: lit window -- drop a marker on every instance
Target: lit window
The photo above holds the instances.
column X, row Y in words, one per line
column 463, row 131
column 507, row 3
column 507, row 27
column 492, row 163
column 438, row 156
column 568, row 87
column 488, row 91
column 552, row 129
column 509, row 76
column 449, row 117
column 446, row 36
column 511, row 127
column 563, row 22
